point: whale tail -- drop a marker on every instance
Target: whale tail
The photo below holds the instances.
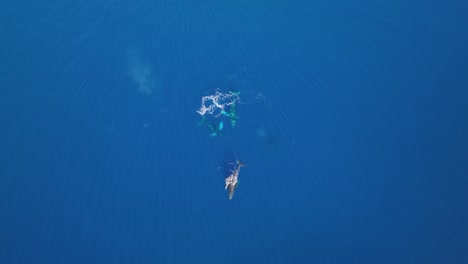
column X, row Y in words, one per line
column 240, row 164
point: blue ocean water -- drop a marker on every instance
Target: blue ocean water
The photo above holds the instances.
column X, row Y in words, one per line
column 352, row 122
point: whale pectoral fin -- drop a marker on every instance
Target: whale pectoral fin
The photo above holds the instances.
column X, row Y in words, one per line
column 231, row 192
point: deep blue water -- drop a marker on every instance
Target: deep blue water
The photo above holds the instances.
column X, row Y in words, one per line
column 352, row 120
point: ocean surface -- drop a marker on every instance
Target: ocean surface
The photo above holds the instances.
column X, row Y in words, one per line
column 352, row 119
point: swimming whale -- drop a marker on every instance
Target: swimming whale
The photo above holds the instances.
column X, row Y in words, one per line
column 233, row 180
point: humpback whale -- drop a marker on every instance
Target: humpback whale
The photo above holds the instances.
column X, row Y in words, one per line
column 233, row 180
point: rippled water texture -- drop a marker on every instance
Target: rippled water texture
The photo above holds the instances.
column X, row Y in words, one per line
column 351, row 118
